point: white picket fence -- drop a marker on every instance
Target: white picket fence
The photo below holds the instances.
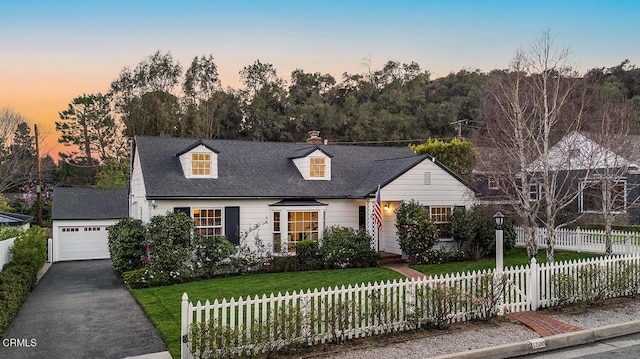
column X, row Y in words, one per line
column 584, row 240
column 321, row 315
column 5, row 255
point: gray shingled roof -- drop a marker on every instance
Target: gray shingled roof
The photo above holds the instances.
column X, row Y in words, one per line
column 90, row 203
column 265, row 169
column 14, row 219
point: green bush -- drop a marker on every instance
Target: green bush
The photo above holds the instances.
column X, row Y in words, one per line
column 26, row 273
column 416, row 231
column 30, row 248
column 308, row 255
column 281, row 264
column 141, row 278
column 168, row 243
column 438, row 256
column 125, row 245
column 477, row 227
column 7, row 232
column 174, row 227
column 13, row 292
column 342, row 247
column 18, row 277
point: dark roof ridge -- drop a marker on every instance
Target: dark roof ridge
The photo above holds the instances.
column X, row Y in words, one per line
column 196, row 144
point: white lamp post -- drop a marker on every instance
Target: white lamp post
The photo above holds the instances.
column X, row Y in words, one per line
column 499, row 217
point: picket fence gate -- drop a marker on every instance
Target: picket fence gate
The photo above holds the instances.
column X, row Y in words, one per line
column 340, row 313
column 584, row 240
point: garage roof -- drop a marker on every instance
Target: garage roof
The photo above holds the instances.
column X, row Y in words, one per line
column 90, row 203
column 14, row 219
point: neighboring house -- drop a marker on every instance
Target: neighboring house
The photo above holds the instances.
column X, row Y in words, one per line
column 15, row 220
column 290, row 191
column 81, row 217
column 585, row 168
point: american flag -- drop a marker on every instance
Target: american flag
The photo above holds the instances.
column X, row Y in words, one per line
column 377, row 210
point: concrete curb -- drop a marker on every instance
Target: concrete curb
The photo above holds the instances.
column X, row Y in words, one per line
column 42, row 271
column 554, row 342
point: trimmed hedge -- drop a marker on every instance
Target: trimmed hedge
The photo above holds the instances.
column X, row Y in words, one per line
column 18, row 277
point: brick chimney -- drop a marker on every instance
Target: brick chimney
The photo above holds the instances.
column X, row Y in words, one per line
column 314, row 138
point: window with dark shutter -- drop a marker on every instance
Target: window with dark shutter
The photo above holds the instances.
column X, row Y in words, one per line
column 362, row 216
column 232, row 224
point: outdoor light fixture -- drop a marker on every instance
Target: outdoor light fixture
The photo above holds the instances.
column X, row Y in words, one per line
column 499, row 217
column 386, row 206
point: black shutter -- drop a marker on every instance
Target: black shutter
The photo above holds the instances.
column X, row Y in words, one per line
column 232, row 224
column 185, row 210
column 463, row 209
column 362, row 216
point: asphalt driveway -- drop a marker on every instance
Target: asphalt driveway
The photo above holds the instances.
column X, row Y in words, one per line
column 80, row 310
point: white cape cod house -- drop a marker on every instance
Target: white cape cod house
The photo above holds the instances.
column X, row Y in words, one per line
column 290, row 191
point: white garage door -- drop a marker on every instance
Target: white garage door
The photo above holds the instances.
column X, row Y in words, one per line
column 77, row 243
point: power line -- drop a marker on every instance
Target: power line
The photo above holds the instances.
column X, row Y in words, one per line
column 388, row 141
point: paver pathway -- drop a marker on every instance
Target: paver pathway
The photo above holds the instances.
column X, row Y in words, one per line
column 543, row 324
column 405, row 270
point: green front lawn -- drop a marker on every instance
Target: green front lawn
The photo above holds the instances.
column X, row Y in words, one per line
column 163, row 304
column 516, row 256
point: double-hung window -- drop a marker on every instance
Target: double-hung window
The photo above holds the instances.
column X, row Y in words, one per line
column 200, row 164
column 208, row 221
column 316, row 167
column 440, row 216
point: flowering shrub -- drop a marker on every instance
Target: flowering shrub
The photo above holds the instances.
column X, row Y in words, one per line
column 210, row 253
column 342, row 247
column 438, row 256
column 416, row 231
column 168, row 243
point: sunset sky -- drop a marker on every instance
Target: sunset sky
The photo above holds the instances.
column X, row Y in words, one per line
column 53, row 51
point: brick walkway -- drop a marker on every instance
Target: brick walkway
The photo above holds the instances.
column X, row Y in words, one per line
column 543, row 324
column 405, row 270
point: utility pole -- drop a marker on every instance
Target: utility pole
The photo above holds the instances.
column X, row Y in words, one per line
column 458, row 126
column 38, row 179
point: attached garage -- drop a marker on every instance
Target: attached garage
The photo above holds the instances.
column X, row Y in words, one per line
column 81, row 218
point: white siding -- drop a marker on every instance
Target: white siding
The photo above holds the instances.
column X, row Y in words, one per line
column 342, row 212
column 443, row 190
column 259, row 211
column 139, row 207
column 252, row 213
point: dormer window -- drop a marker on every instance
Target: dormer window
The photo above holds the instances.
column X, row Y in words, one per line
column 199, row 160
column 316, row 167
column 201, row 164
column 313, row 163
